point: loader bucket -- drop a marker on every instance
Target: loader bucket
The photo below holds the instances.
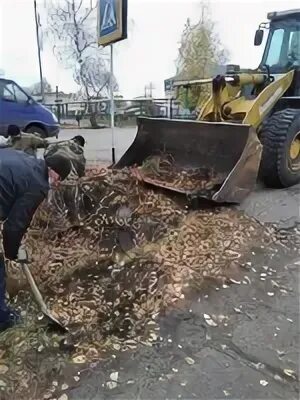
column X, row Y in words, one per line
column 217, row 161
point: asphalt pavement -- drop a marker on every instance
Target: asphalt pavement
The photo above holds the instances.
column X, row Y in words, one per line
column 253, row 353
column 99, row 142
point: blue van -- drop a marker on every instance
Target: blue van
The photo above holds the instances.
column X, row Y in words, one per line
column 18, row 108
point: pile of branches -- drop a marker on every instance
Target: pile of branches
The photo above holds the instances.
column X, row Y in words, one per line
column 163, row 171
column 123, row 252
column 110, row 254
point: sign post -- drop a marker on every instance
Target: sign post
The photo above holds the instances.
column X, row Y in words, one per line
column 112, row 27
column 112, row 105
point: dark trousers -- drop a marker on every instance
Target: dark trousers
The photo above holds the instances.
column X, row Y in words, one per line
column 3, row 306
column 8, row 317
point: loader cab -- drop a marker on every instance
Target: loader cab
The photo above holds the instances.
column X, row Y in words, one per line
column 282, row 51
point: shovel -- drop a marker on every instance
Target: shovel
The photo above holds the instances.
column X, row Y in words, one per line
column 23, row 260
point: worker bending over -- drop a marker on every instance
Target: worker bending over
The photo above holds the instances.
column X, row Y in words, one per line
column 23, row 187
column 27, row 142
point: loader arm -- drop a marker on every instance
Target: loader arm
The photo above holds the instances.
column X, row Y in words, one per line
column 226, row 104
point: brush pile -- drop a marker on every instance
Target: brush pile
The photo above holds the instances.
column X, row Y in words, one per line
column 161, row 170
column 110, row 254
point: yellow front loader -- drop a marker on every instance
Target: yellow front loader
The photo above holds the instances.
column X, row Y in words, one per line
column 249, row 125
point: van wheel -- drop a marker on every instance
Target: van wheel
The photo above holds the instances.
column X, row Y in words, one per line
column 37, row 129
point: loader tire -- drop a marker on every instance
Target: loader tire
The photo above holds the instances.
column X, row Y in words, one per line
column 280, row 136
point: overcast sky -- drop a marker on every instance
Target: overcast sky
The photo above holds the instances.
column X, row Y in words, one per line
column 150, row 52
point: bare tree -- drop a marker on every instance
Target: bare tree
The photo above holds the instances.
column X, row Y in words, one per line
column 93, row 77
column 200, row 53
column 35, row 89
column 72, row 30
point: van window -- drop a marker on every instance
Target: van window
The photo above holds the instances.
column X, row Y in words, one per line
column 8, row 93
column 11, row 92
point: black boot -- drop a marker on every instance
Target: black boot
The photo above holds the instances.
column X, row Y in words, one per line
column 8, row 317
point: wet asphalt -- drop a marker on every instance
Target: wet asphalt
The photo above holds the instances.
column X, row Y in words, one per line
column 252, row 353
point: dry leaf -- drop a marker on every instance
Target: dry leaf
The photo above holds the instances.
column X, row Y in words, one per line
column 277, row 378
column 209, row 320
column 234, row 281
column 222, row 317
column 237, row 310
column 79, row 359
column 111, row 385
column 114, row 376
column 189, row 360
column 3, row 369
column 64, row 386
column 153, row 336
column 263, row 382
column 63, row 397
column 259, row 365
column 274, row 283
column 290, row 372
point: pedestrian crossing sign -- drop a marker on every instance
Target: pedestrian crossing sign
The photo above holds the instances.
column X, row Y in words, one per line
column 112, row 21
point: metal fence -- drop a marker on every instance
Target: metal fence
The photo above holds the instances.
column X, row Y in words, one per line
column 97, row 112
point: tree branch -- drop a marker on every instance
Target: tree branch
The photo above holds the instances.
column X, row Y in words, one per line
column 71, row 28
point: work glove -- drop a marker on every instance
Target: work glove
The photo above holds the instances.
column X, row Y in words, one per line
column 22, row 256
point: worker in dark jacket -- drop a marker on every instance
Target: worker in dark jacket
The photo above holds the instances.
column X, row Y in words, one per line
column 23, row 187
